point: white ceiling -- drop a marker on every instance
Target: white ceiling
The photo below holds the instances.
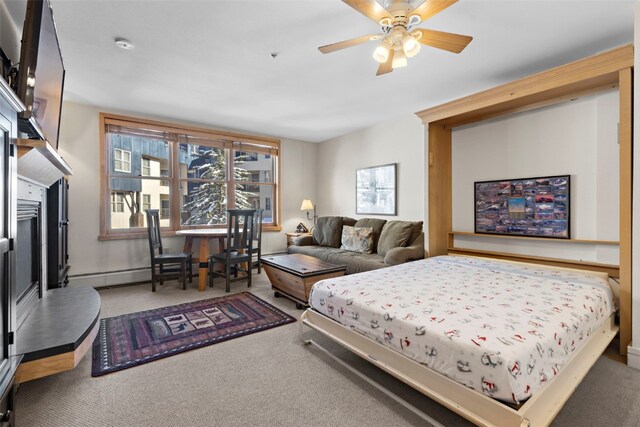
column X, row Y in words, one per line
column 209, row 62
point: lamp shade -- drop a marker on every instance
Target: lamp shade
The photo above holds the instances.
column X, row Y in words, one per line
column 306, row 205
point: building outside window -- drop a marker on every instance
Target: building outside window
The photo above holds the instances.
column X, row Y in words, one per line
column 164, row 207
column 146, row 202
column 121, row 160
column 146, row 166
column 157, row 167
column 117, row 202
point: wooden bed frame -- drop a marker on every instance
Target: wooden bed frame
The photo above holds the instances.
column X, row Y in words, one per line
column 538, row 410
column 598, row 73
column 612, row 69
column 478, row 408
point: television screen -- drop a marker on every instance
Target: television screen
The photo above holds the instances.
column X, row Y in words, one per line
column 524, row 207
column 41, row 75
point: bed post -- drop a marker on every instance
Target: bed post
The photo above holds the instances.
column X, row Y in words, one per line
column 440, row 189
column 626, row 195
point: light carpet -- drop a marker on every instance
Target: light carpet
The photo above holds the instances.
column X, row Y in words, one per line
column 269, row 379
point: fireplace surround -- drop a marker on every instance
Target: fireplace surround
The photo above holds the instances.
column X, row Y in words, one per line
column 30, row 247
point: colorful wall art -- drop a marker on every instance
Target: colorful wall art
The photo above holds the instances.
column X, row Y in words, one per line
column 524, row 207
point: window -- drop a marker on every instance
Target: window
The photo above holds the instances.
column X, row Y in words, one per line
column 164, row 207
column 146, row 202
column 146, row 167
column 191, row 175
column 117, row 202
column 121, row 160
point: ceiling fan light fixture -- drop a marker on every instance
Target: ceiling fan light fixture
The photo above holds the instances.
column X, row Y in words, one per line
column 399, row 59
column 381, row 54
column 410, row 45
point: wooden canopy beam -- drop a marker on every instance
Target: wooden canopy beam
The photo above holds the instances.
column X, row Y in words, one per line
column 576, row 78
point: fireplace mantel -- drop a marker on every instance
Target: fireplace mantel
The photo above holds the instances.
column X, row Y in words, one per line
column 40, row 162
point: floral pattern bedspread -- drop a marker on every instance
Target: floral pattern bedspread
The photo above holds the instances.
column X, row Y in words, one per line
column 501, row 329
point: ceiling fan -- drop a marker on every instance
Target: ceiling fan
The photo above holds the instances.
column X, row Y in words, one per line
column 400, row 37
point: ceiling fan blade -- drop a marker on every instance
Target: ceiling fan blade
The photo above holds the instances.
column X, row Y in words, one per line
column 347, row 43
column 447, row 41
column 386, row 67
column 369, row 8
column 431, row 7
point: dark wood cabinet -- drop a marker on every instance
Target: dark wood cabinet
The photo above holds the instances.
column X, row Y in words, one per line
column 57, row 230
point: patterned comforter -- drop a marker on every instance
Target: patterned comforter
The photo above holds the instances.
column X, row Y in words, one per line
column 499, row 328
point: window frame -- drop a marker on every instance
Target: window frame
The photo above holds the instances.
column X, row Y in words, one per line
column 143, row 167
column 121, row 160
column 210, row 137
column 117, row 202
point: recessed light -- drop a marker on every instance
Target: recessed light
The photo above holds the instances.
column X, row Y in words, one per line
column 124, row 44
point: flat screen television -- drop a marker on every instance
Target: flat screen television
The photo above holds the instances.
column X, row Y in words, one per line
column 41, row 74
column 534, row 207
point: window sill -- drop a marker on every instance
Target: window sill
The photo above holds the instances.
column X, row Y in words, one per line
column 167, row 233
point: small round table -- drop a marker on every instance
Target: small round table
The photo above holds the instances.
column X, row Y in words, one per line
column 204, row 234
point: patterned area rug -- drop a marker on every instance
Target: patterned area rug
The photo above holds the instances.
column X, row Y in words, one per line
column 137, row 338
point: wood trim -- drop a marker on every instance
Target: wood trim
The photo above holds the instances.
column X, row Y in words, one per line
column 131, row 235
column 626, row 208
column 104, row 184
column 611, row 269
column 440, row 188
column 582, row 75
column 55, row 364
column 210, row 133
column 544, row 239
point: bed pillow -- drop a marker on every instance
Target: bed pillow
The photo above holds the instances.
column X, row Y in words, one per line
column 328, row 231
column 394, row 234
column 357, row 239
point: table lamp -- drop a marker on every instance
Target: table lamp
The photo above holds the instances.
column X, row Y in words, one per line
column 307, row 205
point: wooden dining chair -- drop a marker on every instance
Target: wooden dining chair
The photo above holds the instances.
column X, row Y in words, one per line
column 237, row 255
column 160, row 259
column 256, row 262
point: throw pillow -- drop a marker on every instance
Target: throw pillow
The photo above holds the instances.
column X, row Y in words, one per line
column 374, row 223
column 328, row 231
column 394, row 234
column 357, row 239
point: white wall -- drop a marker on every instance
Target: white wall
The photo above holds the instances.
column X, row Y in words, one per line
column 99, row 263
column 400, row 140
column 579, row 138
column 10, row 33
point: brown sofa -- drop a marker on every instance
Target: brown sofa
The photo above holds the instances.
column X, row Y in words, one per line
column 394, row 242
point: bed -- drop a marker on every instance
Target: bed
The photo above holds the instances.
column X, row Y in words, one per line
column 500, row 343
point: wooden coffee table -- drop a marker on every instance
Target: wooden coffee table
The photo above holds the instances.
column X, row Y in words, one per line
column 293, row 275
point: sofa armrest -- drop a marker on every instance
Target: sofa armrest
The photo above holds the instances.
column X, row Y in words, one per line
column 409, row 253
column 403, row 254
column 306, row 240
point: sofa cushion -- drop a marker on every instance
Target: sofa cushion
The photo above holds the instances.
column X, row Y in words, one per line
column 357, row 239
column 416, row 230
column 394, row 234
column 355, row 262
column 328, row 231
column 348, row 221
column 374, row 223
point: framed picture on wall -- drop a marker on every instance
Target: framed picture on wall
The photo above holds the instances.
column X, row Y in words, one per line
column 536, row 207
column 376, row 190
